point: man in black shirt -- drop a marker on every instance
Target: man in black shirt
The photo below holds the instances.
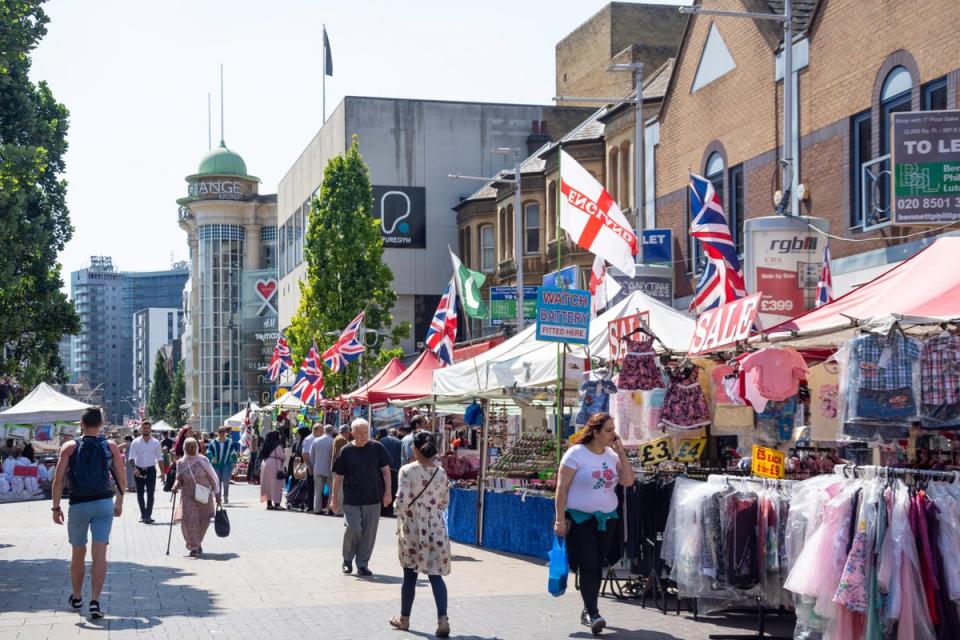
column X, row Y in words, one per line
column 363, row 471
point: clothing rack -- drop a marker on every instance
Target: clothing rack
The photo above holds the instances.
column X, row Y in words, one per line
column 872, row 471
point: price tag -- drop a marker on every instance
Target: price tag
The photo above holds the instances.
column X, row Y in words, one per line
column 767, row 463
column 691, row 449
column 655, row 451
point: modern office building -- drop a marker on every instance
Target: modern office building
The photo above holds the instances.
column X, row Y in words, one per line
column 230, row 303
column 155, row 330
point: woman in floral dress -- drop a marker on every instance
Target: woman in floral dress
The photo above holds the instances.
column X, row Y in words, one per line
column 193, row 470
column 423, row 543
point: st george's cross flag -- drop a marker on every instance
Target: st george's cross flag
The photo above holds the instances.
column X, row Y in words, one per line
column 282, row 359
column 825, row 285
column 309, row 383
column 722, row 278
column 603, row 288
column 442, row 334
column 591, row 217
column 347, row 348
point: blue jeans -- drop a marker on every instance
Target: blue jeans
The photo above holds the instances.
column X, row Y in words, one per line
column 223, row 474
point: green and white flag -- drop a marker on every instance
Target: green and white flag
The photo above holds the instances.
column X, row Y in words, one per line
column 468, row 288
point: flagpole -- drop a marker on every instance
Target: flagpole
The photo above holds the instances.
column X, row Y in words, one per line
column 324, row 76
column 559, row 422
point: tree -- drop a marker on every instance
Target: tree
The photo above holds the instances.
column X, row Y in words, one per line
column 34, row 221
column 178, row 397
column 160, row 391
column 345, row 269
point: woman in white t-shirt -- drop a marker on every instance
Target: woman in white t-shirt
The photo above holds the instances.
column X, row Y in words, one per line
column 586, row 500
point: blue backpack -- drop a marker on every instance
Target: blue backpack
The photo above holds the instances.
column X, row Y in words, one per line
column 90, row 466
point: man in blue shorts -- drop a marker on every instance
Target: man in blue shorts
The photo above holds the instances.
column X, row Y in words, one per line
column 89, row 462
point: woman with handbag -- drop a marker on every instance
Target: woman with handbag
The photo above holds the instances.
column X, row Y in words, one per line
column 423, row 543
column 199, row 481
column 273, row 472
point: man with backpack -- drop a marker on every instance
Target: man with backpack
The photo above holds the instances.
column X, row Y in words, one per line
column 89, row 462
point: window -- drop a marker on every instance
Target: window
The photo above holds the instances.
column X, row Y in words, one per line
column 531, row 223
column 613, row 172
column 551, row 211
column 894, row 98
column 465, row 246
column 502, row 224
column 486, row 248
column 860, row 132
column 935, row 95
column 735, row 215
column 624, row 196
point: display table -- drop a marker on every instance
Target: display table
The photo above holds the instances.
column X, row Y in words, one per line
column 510, row 523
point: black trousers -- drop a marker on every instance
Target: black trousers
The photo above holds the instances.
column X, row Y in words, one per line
column 170, row 478
column 587, row 552
column 146, row 483
column 252, row 467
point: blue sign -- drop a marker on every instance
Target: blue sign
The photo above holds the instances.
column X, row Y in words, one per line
column 568, row 276
column 658, row 246
column 563, row 315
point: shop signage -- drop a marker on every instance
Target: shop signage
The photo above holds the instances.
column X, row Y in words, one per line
column 658, row 247
column 563, row 315
column 655, row 451
column 220, row 189
column 783, row 260
column 690, row 449
column 925, row 163
column 767, row 463
column 503, row 304
column 620, row 328
column 724, row 326
column 260, row 330
column 568, row 278
column 402, row 212
column 656, row 282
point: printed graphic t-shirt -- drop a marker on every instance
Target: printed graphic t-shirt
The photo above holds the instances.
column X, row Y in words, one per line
column 825, row 418
column 594, row 485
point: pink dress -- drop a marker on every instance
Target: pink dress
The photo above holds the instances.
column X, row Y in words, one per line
column 271, row 487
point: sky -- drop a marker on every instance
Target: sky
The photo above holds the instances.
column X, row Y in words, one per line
column 135, row 77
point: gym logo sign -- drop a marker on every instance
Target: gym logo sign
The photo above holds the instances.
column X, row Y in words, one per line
column 402, row 212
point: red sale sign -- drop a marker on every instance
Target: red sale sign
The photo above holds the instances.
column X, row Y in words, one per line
column 620, row 328
column 725, row 326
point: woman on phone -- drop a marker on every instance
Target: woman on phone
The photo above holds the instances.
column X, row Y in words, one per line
column 586, row 500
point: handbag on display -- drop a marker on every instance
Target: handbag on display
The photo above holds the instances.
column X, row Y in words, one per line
column 221, row 523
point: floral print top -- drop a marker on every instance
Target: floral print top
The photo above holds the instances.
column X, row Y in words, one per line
column 422, row 541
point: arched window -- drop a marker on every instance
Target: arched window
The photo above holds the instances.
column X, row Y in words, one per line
column 551, row 211
column 531, row 228
column 894, row 97
column 486, row 248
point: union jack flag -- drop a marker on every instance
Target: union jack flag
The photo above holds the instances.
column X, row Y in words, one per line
column 347, row 347
column 722, row 279
column 825, row 286
column 309, row 383
column 442, row 333
column 282, row 359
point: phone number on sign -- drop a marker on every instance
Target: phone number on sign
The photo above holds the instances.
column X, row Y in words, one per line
column 905, row 204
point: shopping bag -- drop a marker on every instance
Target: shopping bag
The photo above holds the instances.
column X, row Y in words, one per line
column 221, row 523
column 557, row 582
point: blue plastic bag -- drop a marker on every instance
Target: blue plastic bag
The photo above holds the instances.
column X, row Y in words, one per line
column 557, row 582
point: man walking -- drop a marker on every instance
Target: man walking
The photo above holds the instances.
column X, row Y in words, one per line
column 89, row 462
column 222, row 454
column 146, row 456
column 392, row 444
column 253, row 467
column 363, row 471
column 305, row 454
column 406, row 445
column 169, row 459
column 321, row 459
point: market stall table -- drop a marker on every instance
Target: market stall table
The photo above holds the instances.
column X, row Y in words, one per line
column 512, row 523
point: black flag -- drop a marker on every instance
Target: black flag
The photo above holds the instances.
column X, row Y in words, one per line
column 327, row 58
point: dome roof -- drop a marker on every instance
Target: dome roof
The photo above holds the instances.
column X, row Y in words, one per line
column 222, row 162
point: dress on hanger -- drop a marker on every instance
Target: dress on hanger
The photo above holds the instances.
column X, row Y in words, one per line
column 639, row 369
column 685, row 406
column 594, row 398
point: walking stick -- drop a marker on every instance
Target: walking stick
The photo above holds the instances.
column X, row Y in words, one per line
column 173, row 513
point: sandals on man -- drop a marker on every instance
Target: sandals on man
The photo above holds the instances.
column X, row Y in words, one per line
column 95, row 611
column 76, row 603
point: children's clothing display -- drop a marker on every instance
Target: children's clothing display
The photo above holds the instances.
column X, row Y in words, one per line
column 824, row 383
column 594, row 398
column 776, row 422
column 940, row 382
column 640, row 369
column 779, row 369
column 636, row 414
column 684, row 406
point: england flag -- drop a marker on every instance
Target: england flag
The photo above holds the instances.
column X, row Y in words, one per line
column 603, row 288
column 442, row 334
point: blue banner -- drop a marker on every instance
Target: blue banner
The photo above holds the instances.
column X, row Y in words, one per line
column 568, row 278
column 658, row 246
column 563, row 315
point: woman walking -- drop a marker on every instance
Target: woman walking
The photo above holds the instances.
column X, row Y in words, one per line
column 586, row 501
column 273, row 474
column 194, row 471
column 423, row 544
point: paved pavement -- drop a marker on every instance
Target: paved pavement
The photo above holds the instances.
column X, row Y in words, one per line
column 278, row 576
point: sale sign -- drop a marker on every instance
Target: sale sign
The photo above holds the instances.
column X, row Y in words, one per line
column 620, row 328
column 725, row 326
column 767, row 463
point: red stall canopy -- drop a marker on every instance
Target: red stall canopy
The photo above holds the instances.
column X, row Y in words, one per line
column 473, row 350
column 415, row 382
column 384, row 377
column 925, row 286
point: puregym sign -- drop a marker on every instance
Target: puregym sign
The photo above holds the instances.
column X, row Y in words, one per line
column 402, row 212
column 220, row 189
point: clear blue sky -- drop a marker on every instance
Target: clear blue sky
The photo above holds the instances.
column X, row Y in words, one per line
column 135, row 77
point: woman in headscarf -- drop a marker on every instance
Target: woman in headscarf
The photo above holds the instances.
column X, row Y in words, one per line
column 195, row 470
column 186, row 432
column 273, row 474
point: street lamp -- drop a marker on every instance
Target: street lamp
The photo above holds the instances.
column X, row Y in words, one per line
column 517, row 232
column 787, row 20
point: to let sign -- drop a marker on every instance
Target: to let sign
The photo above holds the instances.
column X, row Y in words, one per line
column 620, row 328
column 926, row 167
column 563, row 315
column 725, row 326
column 767, row 463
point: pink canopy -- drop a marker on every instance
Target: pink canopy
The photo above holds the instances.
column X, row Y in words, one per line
column 925, row 286
column 384, row 377
column 415, row 382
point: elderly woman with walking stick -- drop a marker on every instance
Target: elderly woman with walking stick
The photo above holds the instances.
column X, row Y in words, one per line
column 195, row 475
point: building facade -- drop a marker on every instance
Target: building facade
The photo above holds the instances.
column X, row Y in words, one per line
column 231, row 231
column 155, row 330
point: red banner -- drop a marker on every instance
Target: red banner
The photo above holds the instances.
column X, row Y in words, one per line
column 618, row 329
column 725, row 326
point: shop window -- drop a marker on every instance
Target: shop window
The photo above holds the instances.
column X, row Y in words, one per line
column 860, row 149
column 935, row 95
column 531, row 231
column 486, row 248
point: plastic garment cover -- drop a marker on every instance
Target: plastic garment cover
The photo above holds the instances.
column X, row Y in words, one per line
column 947, row 499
